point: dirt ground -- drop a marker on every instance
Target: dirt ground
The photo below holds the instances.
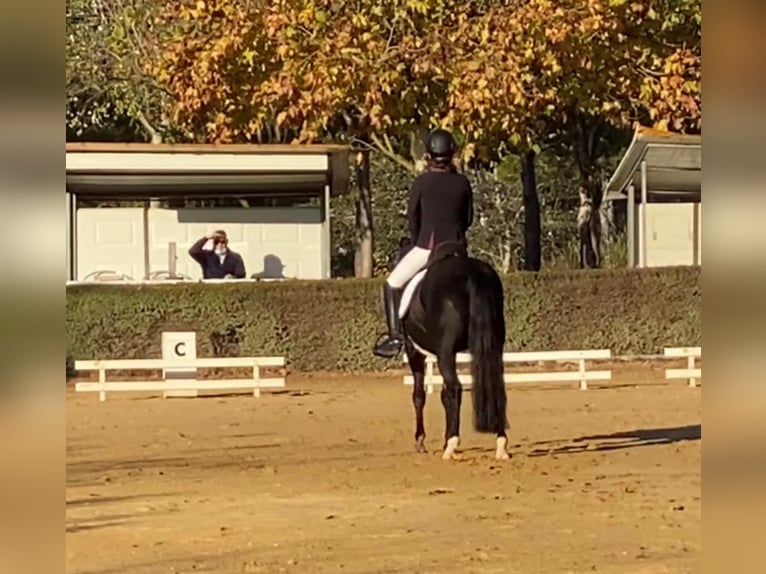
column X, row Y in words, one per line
column 323, row 478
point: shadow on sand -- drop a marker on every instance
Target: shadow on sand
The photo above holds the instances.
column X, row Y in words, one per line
column 621, row 440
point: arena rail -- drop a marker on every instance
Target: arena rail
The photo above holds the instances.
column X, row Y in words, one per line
column 692, row 372
column 582, row 375
column 256, row 383
column 145, row 282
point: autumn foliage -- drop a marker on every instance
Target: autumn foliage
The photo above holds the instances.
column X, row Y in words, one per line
column 498, row 72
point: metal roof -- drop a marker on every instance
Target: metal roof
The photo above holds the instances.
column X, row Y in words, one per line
column 158, row 185
column 673, row 164
column 139, row 169
column 138, row 147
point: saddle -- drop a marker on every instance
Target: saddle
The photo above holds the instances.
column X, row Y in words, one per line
column 447, row 249
column 441, row 251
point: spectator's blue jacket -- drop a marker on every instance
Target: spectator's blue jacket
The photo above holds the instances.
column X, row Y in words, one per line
column 212, row 268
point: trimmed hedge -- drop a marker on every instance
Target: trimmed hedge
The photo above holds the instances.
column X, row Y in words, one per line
column 332, row 325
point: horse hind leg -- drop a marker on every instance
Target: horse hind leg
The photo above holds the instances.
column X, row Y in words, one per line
column 451, row 395
column 417, row 362
column 501, row 442
column 501, row 448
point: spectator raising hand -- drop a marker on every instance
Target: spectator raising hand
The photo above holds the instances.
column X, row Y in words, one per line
column 216, row 259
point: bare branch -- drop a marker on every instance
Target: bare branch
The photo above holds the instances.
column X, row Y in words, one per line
column 155, row 135
column 387, row 150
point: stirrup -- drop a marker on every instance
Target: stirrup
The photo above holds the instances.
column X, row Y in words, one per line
column 388, row 337
column 388, row 346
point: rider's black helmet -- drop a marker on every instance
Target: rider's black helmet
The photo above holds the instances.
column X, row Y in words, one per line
column 440, row 144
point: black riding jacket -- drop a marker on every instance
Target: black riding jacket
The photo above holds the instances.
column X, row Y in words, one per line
column 440, row 208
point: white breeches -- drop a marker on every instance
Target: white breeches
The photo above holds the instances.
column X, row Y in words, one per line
column 406, row 269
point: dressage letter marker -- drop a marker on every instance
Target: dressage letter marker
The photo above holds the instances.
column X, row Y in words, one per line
column 178, row 347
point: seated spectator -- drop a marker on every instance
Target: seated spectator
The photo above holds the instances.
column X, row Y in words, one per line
column 216, row 259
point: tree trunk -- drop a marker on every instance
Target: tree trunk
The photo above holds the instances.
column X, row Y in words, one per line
column 587, row 133
column 506, row 248
column 589, row 227
column 155, row 136
column 505, row 242
column 418, row 148
column 532, row 244
column 363, row 264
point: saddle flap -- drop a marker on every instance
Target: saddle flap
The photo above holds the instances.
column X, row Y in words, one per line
column 441, row 251
column 409, row 291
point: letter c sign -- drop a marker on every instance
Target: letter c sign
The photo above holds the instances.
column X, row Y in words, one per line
column 180, row 349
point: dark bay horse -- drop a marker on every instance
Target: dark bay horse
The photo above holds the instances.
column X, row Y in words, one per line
column 458, row 307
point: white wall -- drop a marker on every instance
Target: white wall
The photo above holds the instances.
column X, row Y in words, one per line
column 110, row 240
column 267, row 239
column 673, row 234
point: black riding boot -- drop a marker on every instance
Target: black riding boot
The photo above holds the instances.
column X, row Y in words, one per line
column 390, row 346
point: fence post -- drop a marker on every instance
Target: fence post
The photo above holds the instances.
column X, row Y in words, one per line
column 583, row 381
column 690, row 364
column 102, row 380
column 257, row 380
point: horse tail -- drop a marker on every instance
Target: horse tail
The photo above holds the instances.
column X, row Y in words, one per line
column 486, row 336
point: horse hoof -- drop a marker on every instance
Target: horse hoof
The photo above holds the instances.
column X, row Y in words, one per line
column 500, row 452
column 449, row 450
column 420, row 447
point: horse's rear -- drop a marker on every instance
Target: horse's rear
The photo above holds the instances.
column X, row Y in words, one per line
column 459, row 308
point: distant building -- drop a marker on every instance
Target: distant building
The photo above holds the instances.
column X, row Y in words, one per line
column 660, row 181
column 133, row 210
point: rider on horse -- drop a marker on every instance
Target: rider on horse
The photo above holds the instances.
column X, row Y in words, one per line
column 440, row 209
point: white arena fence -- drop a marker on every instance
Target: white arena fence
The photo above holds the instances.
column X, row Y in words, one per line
column 114, row 278
column 692, row 372
column 581, row 375
column 181, row 386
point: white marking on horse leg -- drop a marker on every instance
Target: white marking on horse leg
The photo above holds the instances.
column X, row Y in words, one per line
column 452, row 444
column 501, row 452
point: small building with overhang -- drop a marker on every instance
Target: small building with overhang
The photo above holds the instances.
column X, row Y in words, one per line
column 133, row 210
column 660, row 180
